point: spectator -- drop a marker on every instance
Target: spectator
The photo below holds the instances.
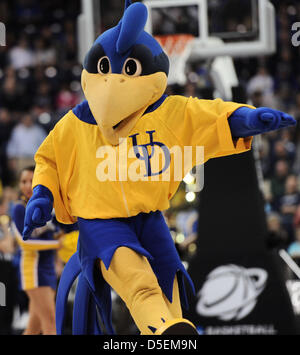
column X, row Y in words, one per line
column 21, row 55
column 279, row 151
column 288, row 205
column 66, row 99
column 43, row 96
column 257, row 98
column 26, row 138
column 28, row 10
column 11, row 94
column 264, row 83
column 296, row 109
column 9, row 196
column 284, row 149
column 44, row 53
column 277, row 236
column 190, row 90
column 294, row 247
column 278, row 180
column 70, row 49
column 8, row 276
column 7, row 243
column 6, row 127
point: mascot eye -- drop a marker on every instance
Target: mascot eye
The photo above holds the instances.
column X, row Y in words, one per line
column 132, row 67
column 104, row 66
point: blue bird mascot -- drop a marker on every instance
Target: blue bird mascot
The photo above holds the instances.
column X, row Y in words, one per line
column 97, row 167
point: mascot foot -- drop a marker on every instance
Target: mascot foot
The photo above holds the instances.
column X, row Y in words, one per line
column 177, row 326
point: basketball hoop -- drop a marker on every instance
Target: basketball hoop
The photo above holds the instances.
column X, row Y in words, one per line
column 178, row 48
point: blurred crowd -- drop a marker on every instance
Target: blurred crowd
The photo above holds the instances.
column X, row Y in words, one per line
column 40, row 82
column 39, row 76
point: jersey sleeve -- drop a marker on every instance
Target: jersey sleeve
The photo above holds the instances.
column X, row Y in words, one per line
column 52, row 169
column 204, row 123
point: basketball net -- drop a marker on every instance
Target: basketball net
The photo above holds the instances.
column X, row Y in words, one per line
column 178, row 48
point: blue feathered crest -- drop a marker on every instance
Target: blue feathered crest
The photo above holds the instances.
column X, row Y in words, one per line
column 132, row 26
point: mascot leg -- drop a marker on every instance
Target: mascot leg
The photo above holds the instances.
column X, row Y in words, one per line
column 175, row 306
column 131, row 276
column 177, row 325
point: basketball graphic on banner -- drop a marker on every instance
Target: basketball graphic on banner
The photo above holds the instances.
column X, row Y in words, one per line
column 230, row 292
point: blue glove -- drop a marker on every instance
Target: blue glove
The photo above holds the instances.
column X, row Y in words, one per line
column 246, row 122
column 38, row 210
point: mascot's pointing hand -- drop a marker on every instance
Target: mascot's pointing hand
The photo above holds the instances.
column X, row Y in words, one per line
column 268, row 119
column 38, row 210
column 248, row 122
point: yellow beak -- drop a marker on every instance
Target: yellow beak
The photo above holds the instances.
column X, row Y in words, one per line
column 118, row 101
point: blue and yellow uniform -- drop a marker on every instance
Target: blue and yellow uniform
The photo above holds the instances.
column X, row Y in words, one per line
column 37, row 255
column 115, row 214
column 176, row 122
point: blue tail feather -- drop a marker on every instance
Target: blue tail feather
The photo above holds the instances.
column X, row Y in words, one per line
column 70, row 273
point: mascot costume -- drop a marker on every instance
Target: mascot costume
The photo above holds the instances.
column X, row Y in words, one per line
column 124, row 242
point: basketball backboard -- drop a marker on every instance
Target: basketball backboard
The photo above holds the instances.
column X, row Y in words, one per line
column 193, row 30
column 242, row 27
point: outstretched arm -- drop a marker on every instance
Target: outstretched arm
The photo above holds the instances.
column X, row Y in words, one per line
column 245, row 122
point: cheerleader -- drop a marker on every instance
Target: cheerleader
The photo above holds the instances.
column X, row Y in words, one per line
column 37, row 264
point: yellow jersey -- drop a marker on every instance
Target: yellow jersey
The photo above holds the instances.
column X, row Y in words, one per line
column 91, row 179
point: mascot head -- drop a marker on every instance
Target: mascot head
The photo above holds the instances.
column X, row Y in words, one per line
column 124, row 73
